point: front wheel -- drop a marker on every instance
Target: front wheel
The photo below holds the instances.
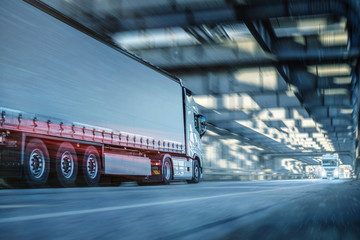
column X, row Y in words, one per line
column 196, row 173
column 167, row 171
column 36, row 163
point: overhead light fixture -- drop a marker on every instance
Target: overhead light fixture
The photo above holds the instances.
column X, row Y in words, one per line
column 336, row 91
column 342, row 80
column 346, row 111
column 311, row 24
column 330, row 70
column 153, row 38
column 328, row 39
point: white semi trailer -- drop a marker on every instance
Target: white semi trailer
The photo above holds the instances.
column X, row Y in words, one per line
column 74, row 106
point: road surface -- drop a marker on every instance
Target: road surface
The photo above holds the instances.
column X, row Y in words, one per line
column 291, row 209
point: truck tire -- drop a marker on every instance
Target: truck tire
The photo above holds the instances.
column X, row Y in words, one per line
column 196, row 173
column 91, row 167
column 36, row 163
column 66, row 165
column 167, row 171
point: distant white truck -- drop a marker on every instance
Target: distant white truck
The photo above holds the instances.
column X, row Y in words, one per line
column 74, row 106
column 330, row 166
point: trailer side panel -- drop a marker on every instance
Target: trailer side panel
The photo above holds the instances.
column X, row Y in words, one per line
column 52, row 69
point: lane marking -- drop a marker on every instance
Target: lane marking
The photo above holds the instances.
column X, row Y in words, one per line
column 20, row 206
column 106, row 209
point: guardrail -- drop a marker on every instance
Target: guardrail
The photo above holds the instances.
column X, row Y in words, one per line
column 227, row 174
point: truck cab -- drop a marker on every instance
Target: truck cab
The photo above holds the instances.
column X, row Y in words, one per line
column 330, row 166
column 195, row 127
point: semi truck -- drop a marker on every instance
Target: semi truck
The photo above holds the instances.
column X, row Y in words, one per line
column 330, row 166
column 74, row 106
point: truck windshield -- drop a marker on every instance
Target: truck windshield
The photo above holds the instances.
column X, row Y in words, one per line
column 329, row 162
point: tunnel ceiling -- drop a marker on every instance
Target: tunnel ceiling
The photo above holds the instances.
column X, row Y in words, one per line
column 281, row 75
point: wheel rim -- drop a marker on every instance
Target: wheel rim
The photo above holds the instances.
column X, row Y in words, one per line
column 167, row 170
column 67, row 164
column 37, row 163
column 92, row 166
column 196, row 170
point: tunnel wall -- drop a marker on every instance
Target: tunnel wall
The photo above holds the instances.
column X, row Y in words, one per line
column 230, row 159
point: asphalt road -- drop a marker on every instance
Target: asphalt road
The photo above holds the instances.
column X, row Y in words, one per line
column 293, row 209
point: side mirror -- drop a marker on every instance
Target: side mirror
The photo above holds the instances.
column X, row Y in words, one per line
column 202, row 125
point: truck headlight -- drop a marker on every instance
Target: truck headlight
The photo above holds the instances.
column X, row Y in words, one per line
column 336, row 173
column 323, row 173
